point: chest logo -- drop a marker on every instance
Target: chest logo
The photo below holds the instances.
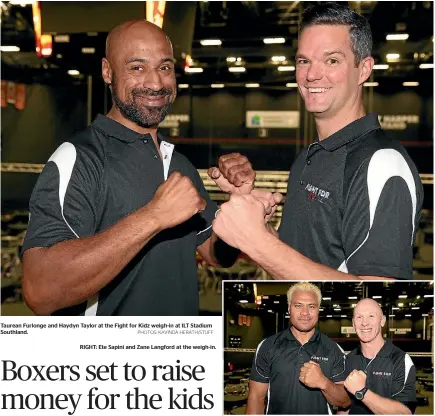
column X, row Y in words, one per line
column 316, row 194
column 316, row 358
column 381, row 374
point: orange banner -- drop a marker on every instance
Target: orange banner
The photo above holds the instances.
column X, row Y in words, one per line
column 20, row 100
column 4, row 93
column 155, row 12
column 11, row 92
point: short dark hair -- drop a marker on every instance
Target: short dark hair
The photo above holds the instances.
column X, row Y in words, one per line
column 335, row 14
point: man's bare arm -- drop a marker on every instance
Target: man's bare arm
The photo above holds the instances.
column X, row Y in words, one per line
column 335, row 394
column 256, row 398
column 384, row 406
column 70, row 272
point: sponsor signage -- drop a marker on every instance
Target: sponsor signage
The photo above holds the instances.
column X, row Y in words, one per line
column 272, row 119
column 398, row 121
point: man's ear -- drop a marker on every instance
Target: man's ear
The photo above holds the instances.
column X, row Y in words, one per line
column 383, row 320
column 106, row 71
column 366, row 67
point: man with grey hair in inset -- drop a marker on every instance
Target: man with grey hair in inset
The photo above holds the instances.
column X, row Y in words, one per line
column 298, row 369
column 380, row 376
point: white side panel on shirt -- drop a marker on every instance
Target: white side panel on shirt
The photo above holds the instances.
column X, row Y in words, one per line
column 408, row 366
column 385, row 164
column 166, row 149
column 65, row 157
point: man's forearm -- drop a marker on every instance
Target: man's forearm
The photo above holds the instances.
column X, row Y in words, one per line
column 255, row 405
column 70, row 272
column 384, row 406
column 335, row 394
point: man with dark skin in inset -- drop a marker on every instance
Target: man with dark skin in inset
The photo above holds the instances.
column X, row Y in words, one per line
column 117, row 214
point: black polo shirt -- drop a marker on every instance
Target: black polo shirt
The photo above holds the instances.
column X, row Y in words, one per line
column 105, row 173
column 390, row 374
column 278, row 361
column 354, row 202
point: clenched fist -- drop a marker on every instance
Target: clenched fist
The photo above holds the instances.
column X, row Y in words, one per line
column 175, row 201
column 269, row 200
column 312, row 376
column 234, row 174
column 355, row 381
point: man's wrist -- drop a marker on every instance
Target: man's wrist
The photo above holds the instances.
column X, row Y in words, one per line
column 324, row 383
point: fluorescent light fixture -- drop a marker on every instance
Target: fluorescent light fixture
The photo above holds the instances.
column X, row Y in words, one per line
column 210, row 42
column 279, row 58
column 397, row 36
column 371, row 84
column 183, row 85
column 321, row 309
column 377, row 297
column 418, row 296
column 88, row 50
column 217, row 85
column 381, row 66
column 287, row 316
column 337, row 309
column 73, row 72
column 252, row 85
column 276, row 301
column 265, row 297
column 344, row 316
column 237, row 69
column 424, row 314
column 400, row 305
column 403, row 296
column 61, row 38
column 231, row 59
column 269, row 41
column 393, row 56
column 270, row 311
column 352, row 297
column 286, row 68
column 408, row 314
column 326, row 298
column 394, row 308
column 9, row 48
column 426, row 66
column 411, row 84
column 329, row 316
column 415, row 307
column 295, row 85
column 193, row 70
column 353, row 305
column 243, row 301
column 391, row 316
column 428, row 296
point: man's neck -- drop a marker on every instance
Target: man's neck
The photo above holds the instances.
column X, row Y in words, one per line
column 330, row 125
column 371, row 349
column 114, row 114
column 302, row 337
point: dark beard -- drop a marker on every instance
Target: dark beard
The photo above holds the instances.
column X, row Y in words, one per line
column 141, row 115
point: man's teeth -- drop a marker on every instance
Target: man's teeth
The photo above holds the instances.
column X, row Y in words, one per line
column 318, row 89
column 365, row 330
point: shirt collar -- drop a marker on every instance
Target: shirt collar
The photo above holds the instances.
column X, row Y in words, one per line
column 384, row 352
column 352, row 131
column 315, row 338
column 114, row 129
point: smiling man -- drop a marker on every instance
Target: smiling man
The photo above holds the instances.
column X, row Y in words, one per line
column 117, row 214
column 379, row 375
column 354, row 196
column 298, row 368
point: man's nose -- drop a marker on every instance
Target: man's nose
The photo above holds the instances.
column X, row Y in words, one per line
column 315, row 72
column 153, row 80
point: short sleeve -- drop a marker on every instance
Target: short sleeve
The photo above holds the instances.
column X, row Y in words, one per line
column 206, row 217
column 338, row 365
column 63, row 204
column 260, row 370
column 381, row 213
column 403, row 386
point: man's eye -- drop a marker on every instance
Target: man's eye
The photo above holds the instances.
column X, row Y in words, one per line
column 165, row 68
column 302, row 61
column 136, row 68
column 332, row 61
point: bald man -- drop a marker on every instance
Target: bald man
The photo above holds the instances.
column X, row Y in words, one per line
column 380, row 376
column 117, row 214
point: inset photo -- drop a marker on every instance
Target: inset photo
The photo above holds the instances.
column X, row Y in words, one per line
column 328, row 347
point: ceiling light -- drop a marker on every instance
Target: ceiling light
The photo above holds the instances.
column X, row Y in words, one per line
column 265, row 297
column 371, row 84
column 231, row 59
column 353, row 305
column 243, row 301
column 270, row 311
column 411, row 84
column 344, row 316
column 276, row 301
column 391, row 316
column 210, row 42
column 408, row 314
column 183, row 85
column 252, row 85
column 426, row 66
column 9, row 48
column 321, row 309
column 418, row 296
column 269, row 41
column 278, row 58
column 424, row 314
column 400, row 304
column 323, row 298
column 217, row 85
column 193, row 70
column 415, row 307
column 377, row 297
column 88, row 50
column 337, row 309
column 403, row 296
column 286, row 68
column 352, row 297
column 394, row 308
column 392, row 56
column 237, row 69
column 329, row 316
column 73, row 72
column 61, row 38
column 428, row 296
column 397, row 36
column 294, row 85
column 381, row 66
